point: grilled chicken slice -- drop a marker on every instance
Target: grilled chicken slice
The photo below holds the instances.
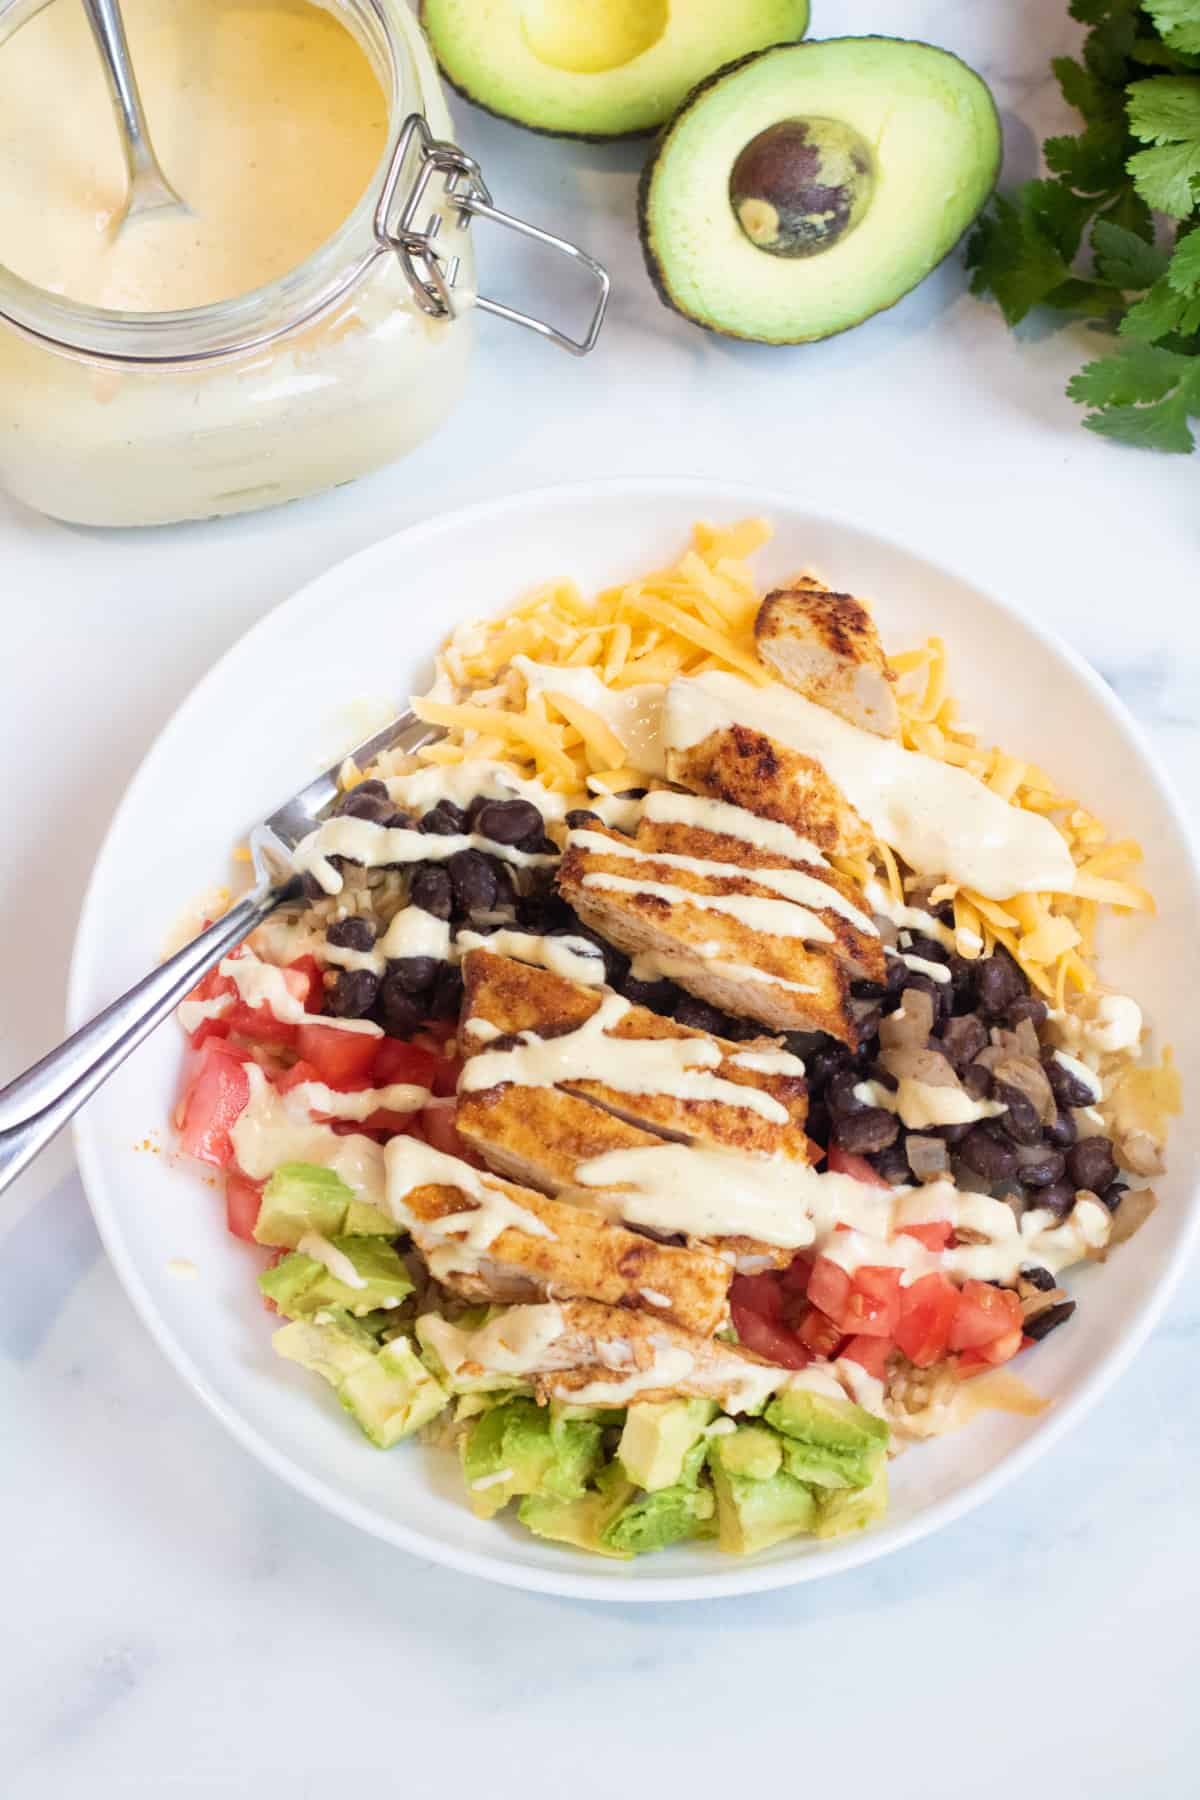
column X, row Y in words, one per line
column 488, row 1239
column 663, row 1076
column 825, row 645
column 747, row 768
column 543, row 1136
column 598, row 1355
column 727, row 938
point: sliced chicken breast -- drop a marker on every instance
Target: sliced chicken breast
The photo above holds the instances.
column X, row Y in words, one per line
column 825, row 645
column 489, row 1239
column 751, row 770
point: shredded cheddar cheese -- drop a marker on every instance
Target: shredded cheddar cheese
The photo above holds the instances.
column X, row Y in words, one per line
column 696, row 615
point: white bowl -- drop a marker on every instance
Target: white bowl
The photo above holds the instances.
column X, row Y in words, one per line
column 255, row 728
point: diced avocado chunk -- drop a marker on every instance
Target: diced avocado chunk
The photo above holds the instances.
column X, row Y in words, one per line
column 301, row 1197
column 841, row 1511
column 657, row 1437
column 752, row 1451
column 364, row 1220
column 753, row 1515
column 583, row 1522
column 830, row 1442
column 299, row 1285
column 394, row 1396
column 520, row 1448
column 388, row 1391
column 668, row 1516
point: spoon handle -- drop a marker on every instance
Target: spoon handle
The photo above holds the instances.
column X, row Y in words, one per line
column 146, row 179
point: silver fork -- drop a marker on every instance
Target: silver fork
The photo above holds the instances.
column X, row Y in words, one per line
column 35, row 1107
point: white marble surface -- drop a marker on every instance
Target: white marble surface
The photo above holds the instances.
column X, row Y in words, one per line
column 175, row 1622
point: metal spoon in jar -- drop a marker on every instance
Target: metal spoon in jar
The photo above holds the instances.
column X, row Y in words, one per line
column 149, row 190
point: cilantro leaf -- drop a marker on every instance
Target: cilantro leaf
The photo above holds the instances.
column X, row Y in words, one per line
column 1142, row 395
column 1183, row 271
column 1162, row 313
column 1178, row 21
column 1022, row 250
column 1123, row 259
column 1093, row 162
column 1165, row 177
column 1165, row 109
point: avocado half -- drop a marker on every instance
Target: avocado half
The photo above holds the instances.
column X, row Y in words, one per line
column 803, row 188
column 596, row 68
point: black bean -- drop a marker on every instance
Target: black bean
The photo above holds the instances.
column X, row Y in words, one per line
column 1044, row 1171
column 962, row 1040
column 963, row 991
column 445, row 820
column 1027, row 1007
column 447, row 992
column 1061, row 1132
column 354, row 933
column 866, row 1023
column 938, row 991
column 659, row 996
column 538, row 844
column 579, row 817
column 868, row 990
column 952, row 1134
column 353, row 993
column 1113, row 1195
column 898, row 973
column 1043, row 1323
column 977, row 1080
column 1021, row 1120
column 506, row 887
column 872, row 1129
column 413, row 974
column 472, row 880
column 988, row 1155
column 396, row 1010
column 999, row 981
column 1091, row 1164
column 1039, row 1278
column 311, row 887
column 817, row 1124
column 892, row 1165
column 375, row 807
column 545, row 912
column 1066, row 1087
column 823, row 1063
column 1059, row 1196
column 843, row 1102
column 699, row 1015
column 508, row 821
column 432, row 890
column 928, row 949
column 375, row 790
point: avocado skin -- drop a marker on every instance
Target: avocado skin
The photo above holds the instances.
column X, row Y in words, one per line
column 575, row 137
column 653, row 268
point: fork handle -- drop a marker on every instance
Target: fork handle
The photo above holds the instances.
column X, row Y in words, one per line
column 35, row 1107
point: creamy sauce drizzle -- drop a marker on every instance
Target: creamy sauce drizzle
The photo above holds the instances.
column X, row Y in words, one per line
column 915, row 918
column 575, row 957
column 1082, row 1073
column 672, row 1066
column 634, row 714
column 921, row 964
column 269, row 1133
column 456, row 1243
column 940, row 819
column 920, row 1104
column 462, row 782
column 336, row 1261
column 380, row 846
column 262, row 984
column 667, row 808
column 397, row 1097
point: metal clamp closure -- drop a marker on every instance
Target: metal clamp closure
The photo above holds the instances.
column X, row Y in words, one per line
column 410, row 227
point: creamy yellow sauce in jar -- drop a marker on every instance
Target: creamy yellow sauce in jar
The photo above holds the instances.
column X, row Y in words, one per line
column 266, row 116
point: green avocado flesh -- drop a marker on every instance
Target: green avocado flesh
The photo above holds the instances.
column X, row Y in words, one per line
column 596, row 68
column 809, row 186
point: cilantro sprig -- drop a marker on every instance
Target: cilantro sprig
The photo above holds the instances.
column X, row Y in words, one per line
column 1110, row 233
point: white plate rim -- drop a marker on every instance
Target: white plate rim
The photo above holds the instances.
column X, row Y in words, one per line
column 739, row 1578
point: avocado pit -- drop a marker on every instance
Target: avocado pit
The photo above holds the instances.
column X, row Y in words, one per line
column 802, row 185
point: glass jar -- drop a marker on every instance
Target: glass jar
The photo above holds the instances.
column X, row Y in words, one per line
column 347, row 362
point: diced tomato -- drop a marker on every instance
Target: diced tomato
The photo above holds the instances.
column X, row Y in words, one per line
column 259, row 1024
column 873, row 1308
column 765, row 1338
column 819, row 1334
column 984, row 1313
column 758, row 1293
column 438, row 1128
column 396, row 1061
column 339, row 1057
column 935, row 1235
column 446, row 1074
column 217, row 1092
column 871, row 1354
column 314, row 986
column 243, row 1198
column 795, row 1277
column 829, row 1288
column 927, row 1311
column 213, row 986
column 296, row 1076
column 989, row 1356
column 845, row 1162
